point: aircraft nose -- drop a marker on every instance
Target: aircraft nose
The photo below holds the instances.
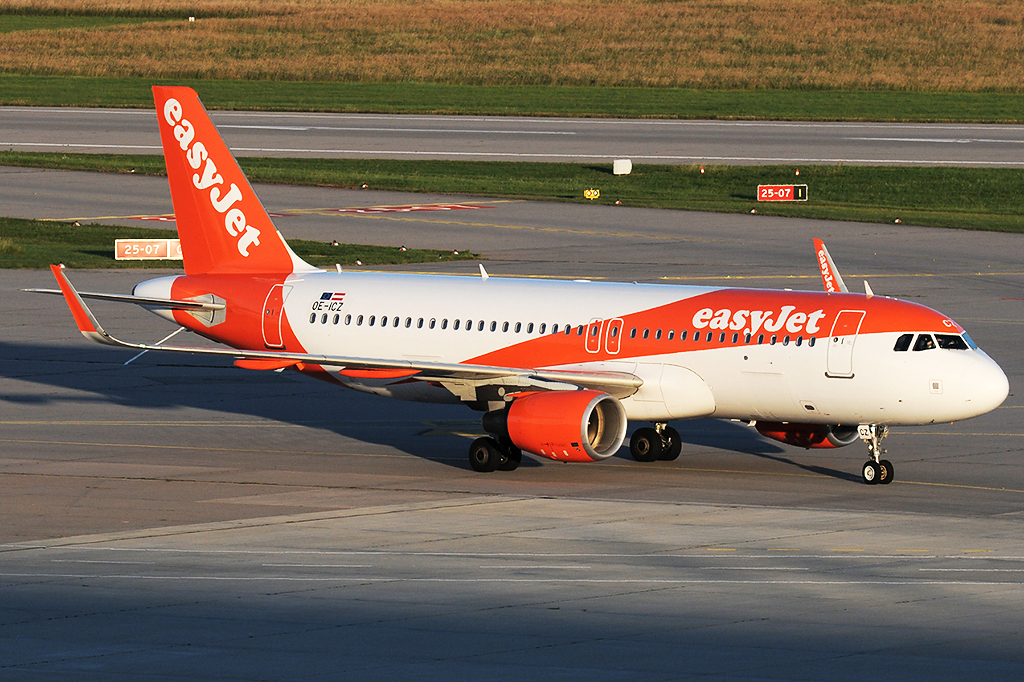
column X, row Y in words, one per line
column 988, row 386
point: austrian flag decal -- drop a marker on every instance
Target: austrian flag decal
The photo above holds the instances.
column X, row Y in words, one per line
column 331, row 296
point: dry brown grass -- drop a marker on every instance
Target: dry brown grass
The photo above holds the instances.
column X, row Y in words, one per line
column 954, row 45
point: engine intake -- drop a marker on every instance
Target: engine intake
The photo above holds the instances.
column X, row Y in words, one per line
column 573, row 426
column 809, row 435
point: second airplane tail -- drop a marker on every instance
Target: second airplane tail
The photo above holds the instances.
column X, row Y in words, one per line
column 223, row 227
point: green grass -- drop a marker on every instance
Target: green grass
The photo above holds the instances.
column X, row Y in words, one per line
column 423, row 98
column 37, row 244
column 965, row 198
column 41, row 22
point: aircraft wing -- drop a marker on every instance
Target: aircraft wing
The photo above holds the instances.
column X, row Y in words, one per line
column 830, row 276
column 460, row 379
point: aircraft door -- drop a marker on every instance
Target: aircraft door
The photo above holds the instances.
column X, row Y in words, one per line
column 273, row 308
column 613, row 337
column 840, row 345
column 594, row 335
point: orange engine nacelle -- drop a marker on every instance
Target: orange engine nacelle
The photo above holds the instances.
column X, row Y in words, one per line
column 809, row 435
column 571, row 426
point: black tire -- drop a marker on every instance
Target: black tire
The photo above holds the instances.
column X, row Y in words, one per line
column 886, row 472
column 645, row 445
column 512, row 458
column 871, row 473
column 484, row 455
column 673, row 445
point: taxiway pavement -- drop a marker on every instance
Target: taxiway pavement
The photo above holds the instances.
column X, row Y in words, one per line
column 187, row 519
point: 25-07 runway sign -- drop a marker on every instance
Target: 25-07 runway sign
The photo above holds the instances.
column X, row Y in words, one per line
column 782, row 192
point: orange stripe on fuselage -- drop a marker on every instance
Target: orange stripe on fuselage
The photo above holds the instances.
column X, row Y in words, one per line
column 728, row 311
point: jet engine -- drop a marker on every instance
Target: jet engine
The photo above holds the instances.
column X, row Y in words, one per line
column 572, row 426
column 809, row 435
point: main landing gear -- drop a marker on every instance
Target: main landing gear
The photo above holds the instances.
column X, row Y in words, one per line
column 661, row 442
column 489, row 454
column 875, row 470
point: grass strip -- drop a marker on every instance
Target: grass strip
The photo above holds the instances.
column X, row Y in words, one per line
column 38, row 243
column 527, row 100
column 964, row 198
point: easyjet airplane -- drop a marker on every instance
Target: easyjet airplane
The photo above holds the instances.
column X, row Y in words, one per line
column 557, row 367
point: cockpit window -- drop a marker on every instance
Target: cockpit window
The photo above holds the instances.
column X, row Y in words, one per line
column 903, row 343
column 951, row 341
column 970, row 341
column 924, row 342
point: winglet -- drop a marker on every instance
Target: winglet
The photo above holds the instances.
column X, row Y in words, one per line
column 86, row 321
column 829, row 272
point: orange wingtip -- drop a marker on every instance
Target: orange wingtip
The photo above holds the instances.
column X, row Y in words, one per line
column 78, row 311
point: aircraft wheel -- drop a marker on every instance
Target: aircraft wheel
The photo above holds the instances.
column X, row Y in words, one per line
column 484, row 455
column 871, row 472
column 673, row 444
column 645, row 445
column 512, row 457
column 885, row 472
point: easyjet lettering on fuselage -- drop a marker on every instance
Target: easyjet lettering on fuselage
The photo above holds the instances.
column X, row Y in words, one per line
column 751, row 321
column 197, row 155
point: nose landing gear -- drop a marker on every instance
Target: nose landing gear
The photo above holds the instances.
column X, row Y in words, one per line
column 875, row 470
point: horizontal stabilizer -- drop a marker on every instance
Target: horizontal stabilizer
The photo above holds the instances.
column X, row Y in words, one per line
column 167, row 303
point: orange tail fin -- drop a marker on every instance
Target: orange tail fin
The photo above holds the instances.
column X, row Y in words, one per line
column 223, row 227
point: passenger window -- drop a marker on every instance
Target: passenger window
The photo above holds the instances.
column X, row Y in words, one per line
column 568, row 329
column 903, row 343
column 682, row 336
column 480, row 326
column 671, row 334
column 615, row 332
column 595, row 330
column 579, row 330
column 419, row 323
column 647, row 332
column 444, row 323
column 396, row 322
column 543, row 328
column 408, row 322
column 710, row 336
column 657, row 334
column 924, row 342
column 810, row 341
column 519, row 325
column 348, row 319
column 312, row 318
column 359, row 321
column 746, row 338
column 371, row 320
column 432, row 322
column 456, row 323
column 799, row 341
column 760, row 338
column 721, row 338
column 504, row 326
column 554, row 329
column 735, row 337
column 494, row 325
column 951, row 341
column 785, row 341
column 323, row 320
column 632, row 333
column 336, row 318
column 529, row 328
